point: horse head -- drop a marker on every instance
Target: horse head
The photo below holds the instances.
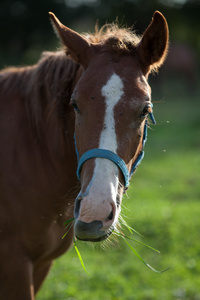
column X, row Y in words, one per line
column 111, row 100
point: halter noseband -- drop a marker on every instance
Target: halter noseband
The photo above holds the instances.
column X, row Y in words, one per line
column 107, row 154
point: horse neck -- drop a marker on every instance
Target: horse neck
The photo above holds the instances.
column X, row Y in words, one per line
column 37, row 127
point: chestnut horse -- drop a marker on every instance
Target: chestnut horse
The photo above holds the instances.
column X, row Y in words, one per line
column 93, row 92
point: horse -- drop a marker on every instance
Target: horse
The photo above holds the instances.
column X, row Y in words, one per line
column 85, row 105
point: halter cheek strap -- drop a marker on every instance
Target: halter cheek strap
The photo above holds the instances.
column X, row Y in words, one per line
column 107, row 154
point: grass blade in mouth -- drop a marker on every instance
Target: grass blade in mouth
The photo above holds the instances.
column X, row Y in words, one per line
column 122, row 235
column 69, row 224
column 131, row 230
column 134, row 240
column 135, row 252
column 69, row 221
column 80, row 258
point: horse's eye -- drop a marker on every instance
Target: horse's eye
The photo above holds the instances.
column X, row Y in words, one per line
column 146, row 110
column 74, row 104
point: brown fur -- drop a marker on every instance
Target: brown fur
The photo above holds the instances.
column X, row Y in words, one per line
column 46, row 86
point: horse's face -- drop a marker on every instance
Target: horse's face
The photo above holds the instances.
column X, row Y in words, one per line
column 111, row 101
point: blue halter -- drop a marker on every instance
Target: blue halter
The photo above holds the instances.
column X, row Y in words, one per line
column 107, row 154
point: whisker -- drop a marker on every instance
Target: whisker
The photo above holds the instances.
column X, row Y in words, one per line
column 74, row 189
column 124, row 207
column 120, row 185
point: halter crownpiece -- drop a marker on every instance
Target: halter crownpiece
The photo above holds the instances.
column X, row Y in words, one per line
column 107, row 154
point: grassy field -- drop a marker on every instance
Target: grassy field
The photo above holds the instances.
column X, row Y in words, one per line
column 163, row 204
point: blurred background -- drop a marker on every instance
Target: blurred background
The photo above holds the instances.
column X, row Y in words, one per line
column 25, row 29
column 163, row 201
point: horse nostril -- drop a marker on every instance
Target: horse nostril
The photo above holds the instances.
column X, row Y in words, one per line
column 110, row 217
column 77, row 206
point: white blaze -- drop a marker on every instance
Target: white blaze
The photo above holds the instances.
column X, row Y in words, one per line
column 112, row 92
column 104, row 183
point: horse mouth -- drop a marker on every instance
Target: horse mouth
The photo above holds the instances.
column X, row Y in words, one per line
column 91, row 232
column 94, row 240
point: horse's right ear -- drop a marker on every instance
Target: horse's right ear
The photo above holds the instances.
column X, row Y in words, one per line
column 79, row 49
column 153, row 47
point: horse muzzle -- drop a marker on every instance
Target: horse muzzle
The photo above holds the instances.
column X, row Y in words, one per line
column 91, row 226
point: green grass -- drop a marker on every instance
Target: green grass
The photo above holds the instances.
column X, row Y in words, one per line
column 163, row 204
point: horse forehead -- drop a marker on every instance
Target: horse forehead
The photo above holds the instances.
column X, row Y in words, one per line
column 113, row 89
column 135, row 89
column 109, row 78
column 103, row 65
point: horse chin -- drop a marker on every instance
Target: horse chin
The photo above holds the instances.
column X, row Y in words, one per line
column 102, row 238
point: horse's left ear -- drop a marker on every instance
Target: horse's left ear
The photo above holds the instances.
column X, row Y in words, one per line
column 79, row 49
column 152, row 49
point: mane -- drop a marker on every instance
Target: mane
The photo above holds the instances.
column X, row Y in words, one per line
column 52, row 82
column 45, row 87
column 116, row 39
